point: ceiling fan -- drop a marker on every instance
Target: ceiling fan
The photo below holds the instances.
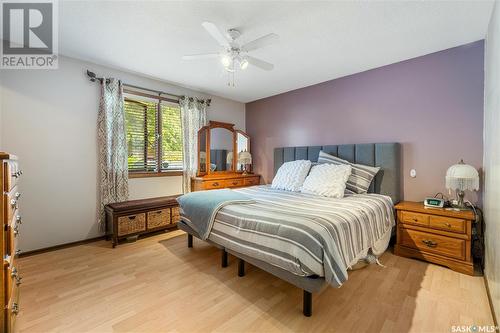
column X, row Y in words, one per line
column 235, row 55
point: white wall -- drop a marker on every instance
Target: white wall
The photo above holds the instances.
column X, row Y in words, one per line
column 492, row 158
column 49, row 120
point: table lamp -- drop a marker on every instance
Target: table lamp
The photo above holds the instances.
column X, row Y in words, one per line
column 461, row 177
column 244, row 158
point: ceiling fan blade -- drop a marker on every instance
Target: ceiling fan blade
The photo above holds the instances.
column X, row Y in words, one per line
column 260, row 42
column 216, row 34
column 200, row 56
column 260, row 63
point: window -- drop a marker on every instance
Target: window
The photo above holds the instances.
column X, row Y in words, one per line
column 154, row 135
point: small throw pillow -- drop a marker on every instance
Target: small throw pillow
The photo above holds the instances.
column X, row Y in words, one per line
column 291, row 175
column 327, row 180
column 361, row 175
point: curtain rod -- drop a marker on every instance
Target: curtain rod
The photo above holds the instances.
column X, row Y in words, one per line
column 93, row 77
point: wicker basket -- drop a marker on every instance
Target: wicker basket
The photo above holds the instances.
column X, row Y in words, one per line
column 131, row 224
column 176, row 217
column 158, row 218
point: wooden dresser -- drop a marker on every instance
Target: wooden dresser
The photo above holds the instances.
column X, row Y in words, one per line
column 223, row 180
column 436, row 235
column 11, row 219
column 137, row 217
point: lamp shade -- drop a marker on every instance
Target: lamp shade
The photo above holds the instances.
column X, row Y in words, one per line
column 462, row 177
column 244, row 157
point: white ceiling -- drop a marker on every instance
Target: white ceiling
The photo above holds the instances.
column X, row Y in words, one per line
column 319, row 41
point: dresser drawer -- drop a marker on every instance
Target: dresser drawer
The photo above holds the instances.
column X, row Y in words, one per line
column 13, row 280
column 236, row 182
column 158, row 218
column 12, row 308
column 131, row 224
column 213, row 184
column 447, row 223
column 250, row 181
column 11, row 203
column 11, row 175
column 176, row 216
column 415, row 218
column 427, row 242
column 12, row 237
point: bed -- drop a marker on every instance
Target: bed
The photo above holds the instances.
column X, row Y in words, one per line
column 307, row 240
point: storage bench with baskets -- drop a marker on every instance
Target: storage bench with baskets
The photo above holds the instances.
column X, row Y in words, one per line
column 136, row 217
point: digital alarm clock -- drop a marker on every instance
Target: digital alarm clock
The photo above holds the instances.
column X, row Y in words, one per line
column 434, row 202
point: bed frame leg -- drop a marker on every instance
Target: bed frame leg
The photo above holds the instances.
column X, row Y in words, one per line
column 241, row 267
column 307, row 306
column 223, row 258
column 190, row 240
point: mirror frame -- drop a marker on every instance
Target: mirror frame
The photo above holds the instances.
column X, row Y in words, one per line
column 211, row 125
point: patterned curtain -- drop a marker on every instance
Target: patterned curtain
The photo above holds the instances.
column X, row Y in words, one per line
column 194, row 117
column 112, row 147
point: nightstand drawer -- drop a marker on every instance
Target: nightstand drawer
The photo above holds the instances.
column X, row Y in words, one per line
column 415, row 218
column 427, row 242
column 447, row 223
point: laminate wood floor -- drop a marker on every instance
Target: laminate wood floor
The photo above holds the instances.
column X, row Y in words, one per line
column 157, row 284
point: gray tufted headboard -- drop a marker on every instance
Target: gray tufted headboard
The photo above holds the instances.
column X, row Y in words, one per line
column 387, row 156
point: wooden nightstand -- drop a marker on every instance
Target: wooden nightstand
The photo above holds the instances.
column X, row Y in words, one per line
column 436, row 235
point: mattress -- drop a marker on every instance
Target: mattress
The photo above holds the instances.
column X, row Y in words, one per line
column 305, row 234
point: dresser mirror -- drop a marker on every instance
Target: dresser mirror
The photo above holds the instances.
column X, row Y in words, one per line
column 242, row 144
column 217, row 143
column 221, row 149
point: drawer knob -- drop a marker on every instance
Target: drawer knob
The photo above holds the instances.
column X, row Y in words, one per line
column 429, row 243
column 16, row 230
column 215, row 184
column 13, row 273
column 415, row 219
column 15, row 308
column 18, row 252
column 17, row 195
column 18, row 280
column 448, row 225
column 13, row 203
column 235, row 183
column 131, row 217
column 18, row 219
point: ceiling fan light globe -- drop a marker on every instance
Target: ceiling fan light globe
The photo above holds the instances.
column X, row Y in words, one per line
column 244, row 64
column 225, row 60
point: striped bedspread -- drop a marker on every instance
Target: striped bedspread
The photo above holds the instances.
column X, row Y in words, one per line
column 302, row 233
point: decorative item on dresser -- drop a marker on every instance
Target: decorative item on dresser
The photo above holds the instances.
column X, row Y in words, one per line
column 137, row 217
column 11, row 219
column 218, row 165
column 437, row 235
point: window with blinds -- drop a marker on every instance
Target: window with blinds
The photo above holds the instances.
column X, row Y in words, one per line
column 154, row 135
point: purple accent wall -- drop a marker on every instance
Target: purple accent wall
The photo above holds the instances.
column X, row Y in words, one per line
column 432, row 104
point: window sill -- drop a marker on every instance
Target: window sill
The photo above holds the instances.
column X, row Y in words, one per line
column 154, row 174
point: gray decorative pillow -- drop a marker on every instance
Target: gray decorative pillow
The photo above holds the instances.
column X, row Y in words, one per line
column 361, row 175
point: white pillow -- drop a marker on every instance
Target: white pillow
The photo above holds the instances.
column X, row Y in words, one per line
column 291, row 175
column 327, row 180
